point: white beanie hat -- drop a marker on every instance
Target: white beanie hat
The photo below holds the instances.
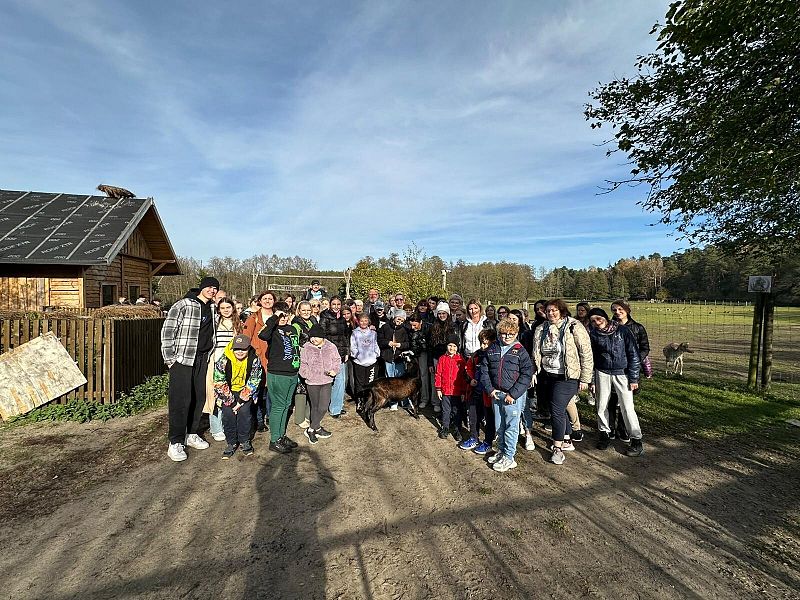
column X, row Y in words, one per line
column 443, row 307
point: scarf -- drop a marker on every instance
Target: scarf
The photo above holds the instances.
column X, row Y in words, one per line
column 610, row 328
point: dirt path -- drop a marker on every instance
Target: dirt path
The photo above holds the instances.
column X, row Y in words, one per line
column 98, row 511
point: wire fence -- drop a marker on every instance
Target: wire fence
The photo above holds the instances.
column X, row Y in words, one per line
column 719, row 337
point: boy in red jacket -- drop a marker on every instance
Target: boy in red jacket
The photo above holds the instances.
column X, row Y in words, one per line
column 478, row 401
column 451, row 385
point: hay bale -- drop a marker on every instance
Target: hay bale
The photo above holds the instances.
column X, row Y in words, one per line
column 135, row 311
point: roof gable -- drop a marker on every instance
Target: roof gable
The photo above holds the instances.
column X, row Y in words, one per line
column 46, row 228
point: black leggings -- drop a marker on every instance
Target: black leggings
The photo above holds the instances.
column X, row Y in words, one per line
column 319, row 397
column 559, row 392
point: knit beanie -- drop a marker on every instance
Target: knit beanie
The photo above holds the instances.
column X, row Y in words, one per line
column 316, row 331
column 443, row 307
column 453, row 339
column 399, row 312
column 209, row 282
column 598, row 312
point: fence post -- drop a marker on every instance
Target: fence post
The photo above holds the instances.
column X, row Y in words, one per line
column 766, row 357
column 755, row 342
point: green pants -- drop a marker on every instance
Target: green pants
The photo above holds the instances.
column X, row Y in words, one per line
column 281, row 389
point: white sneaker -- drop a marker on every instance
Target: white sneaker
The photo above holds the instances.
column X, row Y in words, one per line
column 393, row 407
column 306, row 424
column 496, row 457
column 529, row 445
column 566, row 446
column 195, row 441
column 437, row 408
column 501, row 466
column 218, row 437
column 176, row 452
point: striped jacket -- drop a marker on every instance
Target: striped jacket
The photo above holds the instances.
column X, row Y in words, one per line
column 181, row 329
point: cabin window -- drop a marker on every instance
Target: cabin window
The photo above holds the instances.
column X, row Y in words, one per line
column 109, row 294
column 133, row 293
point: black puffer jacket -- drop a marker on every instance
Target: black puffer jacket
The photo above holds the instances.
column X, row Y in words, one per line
column 337, row 331
column 390, row 332
column 616, row 354
column 640, row 335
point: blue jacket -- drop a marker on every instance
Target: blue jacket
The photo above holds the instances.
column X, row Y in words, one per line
column 511, row 372
column 616, row 354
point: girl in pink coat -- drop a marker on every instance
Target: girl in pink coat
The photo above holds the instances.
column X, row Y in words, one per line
column 319, row 364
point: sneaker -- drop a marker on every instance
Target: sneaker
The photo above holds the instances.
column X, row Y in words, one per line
column 288, row 443
column 635, row 448
column 495, row 457
column 247, row 448
column 195, row 441
column 482, row 449
column 469, row 444
column 604, row 441
column 176, row 452
column 279, row 447
column 623, row 436
column 577, row 435
column 305, row 424
column 566, row 446
column 443, row 433
column 612, row 435
column 393, row 407
column 311, row 435
column 504, row 464
column 229, row 451
column 218, row 437
column 457, row 434
column 558, row 457
column 547, row 426
column 529, row 443
column 323, row 433
column 437, row 409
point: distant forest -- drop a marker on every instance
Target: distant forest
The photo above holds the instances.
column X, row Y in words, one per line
column 707, row 273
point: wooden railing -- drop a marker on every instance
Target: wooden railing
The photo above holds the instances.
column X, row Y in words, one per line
column 113, row 354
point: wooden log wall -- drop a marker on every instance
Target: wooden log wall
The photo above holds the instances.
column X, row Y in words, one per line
column 112, row 362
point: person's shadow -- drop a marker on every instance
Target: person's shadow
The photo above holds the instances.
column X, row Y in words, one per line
column 286, row 559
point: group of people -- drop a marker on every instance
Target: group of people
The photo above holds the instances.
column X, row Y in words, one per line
column 489, row 374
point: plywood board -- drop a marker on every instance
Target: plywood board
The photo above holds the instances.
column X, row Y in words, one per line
column 35, row 373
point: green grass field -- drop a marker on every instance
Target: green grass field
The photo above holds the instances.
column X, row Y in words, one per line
column 719, row 335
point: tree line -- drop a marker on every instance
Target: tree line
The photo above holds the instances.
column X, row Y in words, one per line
column 708, row 273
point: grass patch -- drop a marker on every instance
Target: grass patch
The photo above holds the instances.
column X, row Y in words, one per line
column 150, row 394
column 711, row 410
column 558, row 525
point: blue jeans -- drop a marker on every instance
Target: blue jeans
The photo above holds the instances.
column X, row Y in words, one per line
column 506, row 418
column 215, row 421
column 337, row 392
column 396, row 369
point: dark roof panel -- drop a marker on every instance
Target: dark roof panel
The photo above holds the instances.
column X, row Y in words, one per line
column 40, row 228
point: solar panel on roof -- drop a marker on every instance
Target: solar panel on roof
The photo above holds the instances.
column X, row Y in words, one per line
column 46, row 228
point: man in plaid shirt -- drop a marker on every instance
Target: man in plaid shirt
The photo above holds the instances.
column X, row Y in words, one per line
column 187, row 339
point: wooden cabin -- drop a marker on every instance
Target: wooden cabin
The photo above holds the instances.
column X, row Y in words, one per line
column 78, row 251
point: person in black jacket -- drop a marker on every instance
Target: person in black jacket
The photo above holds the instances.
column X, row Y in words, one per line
column 617, row 365
column 438, row 334
column 621, row 312
column 392, row 340
column 337, row 330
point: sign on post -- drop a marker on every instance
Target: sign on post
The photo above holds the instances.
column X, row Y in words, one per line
column 760, row 284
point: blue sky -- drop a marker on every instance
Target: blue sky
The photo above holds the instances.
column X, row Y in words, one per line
column 333, row 130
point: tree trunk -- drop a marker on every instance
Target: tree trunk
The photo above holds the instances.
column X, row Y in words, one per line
column 766, row 360
column 755, row 341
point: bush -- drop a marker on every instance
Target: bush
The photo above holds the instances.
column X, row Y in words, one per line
column 150, row 394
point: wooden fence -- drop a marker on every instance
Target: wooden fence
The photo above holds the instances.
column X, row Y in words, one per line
column 114, row 354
